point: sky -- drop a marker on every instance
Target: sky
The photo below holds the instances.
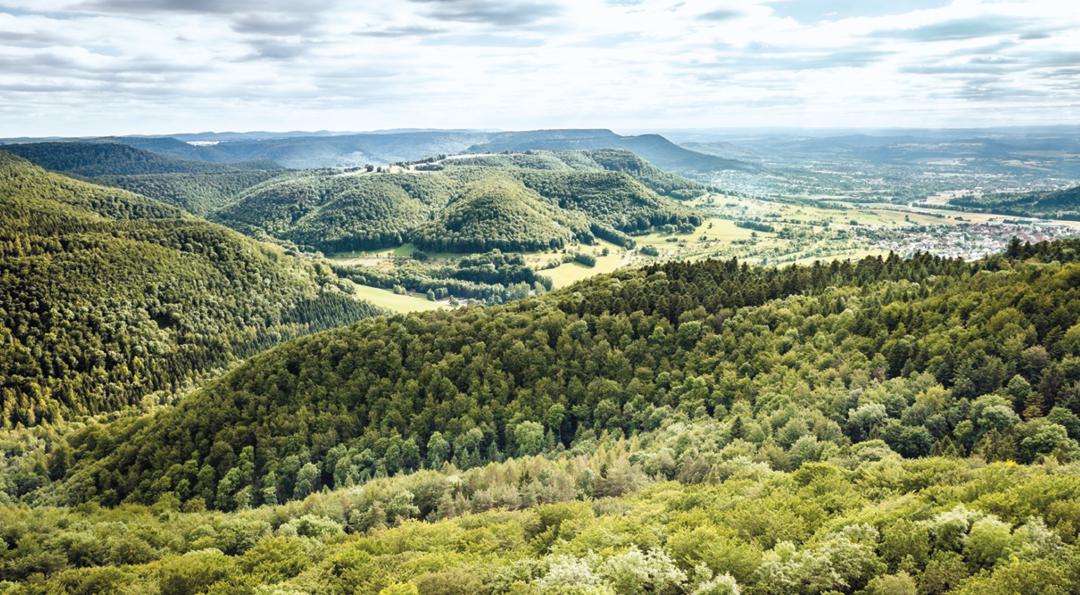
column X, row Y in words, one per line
column 104, row 67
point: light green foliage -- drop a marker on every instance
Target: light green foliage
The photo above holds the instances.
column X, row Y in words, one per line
column 892, row 584
column 310, row 526
column 400, row 589
column 637, row 573
column 844, row 560
column 566, row 572
column 989, row 541
column 192, row 573
column 275, row 559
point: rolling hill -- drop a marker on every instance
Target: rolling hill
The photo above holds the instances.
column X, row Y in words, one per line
column 336, row 212
column 1060, row 204
column 197, row 193
column 654, row 178
column 110, row 159
column 656, row 149
column 107, row 297
column 498, row 212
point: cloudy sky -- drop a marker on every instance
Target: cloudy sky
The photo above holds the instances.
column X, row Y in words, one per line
column 95, row 67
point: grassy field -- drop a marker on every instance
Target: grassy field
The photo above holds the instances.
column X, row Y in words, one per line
column 394, row 302
column 570, row 272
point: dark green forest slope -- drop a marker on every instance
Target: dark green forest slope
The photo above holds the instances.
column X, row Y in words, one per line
column 107, row 296
column 339, row 212
column 333, row 212
column 198, row 194
column 108, row 159
column 1060, row 204
column 498, row 212
column 914, row 357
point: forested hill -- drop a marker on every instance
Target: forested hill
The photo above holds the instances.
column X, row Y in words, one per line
column 199, row 194
column 107, row 297
column 652, row 177
column 1059, row 204
column 796, row 365
column 656, row 149
column 110, row 159
column 335, row 212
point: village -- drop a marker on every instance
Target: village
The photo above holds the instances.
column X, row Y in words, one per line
column 969, row 241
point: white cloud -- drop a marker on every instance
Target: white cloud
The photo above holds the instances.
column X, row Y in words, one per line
column 83, row 67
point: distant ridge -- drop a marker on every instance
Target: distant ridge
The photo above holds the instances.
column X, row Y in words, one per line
column 104, row 159
column 347, row 150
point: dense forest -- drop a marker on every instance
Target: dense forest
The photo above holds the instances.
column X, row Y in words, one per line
column 499, row 212
column 335, row 212
column 459, row 209
column 928, row 355
column 882, row 427
column 650, row 176
column 197, row 193
column 108, row 297
column 866, row 522
column 110, row 159
column 1059, row 204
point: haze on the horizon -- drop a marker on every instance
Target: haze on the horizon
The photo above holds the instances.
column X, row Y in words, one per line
column 98, row 67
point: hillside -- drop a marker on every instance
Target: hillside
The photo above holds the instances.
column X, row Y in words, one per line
column 306, row 152
column 198, row 194
column 333, row 212
column 897, row 357
column 1060, row 204
column 655, row 149
column 108, row 159
column 341, row 212
column 652, row 177
column 498, row 212
column 107, row 297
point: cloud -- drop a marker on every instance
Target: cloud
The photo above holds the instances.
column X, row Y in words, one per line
column 275, row 24
column 1034, row 35
column 495, row 41
column 722, row 14
column 170, row 65
column 814, row 11
column 957, row 29
column 795, row 62
column 195, row 6
column 408, row 31
column 608, row 41
column 503, row 13
column 269, row 49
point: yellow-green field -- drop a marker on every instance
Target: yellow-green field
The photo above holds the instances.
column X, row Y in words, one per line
column 571, row 272
column 394, row 302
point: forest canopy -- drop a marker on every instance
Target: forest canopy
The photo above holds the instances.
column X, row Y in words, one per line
column 108, row 297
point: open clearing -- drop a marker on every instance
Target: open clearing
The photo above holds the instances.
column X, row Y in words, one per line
column 399, row 304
